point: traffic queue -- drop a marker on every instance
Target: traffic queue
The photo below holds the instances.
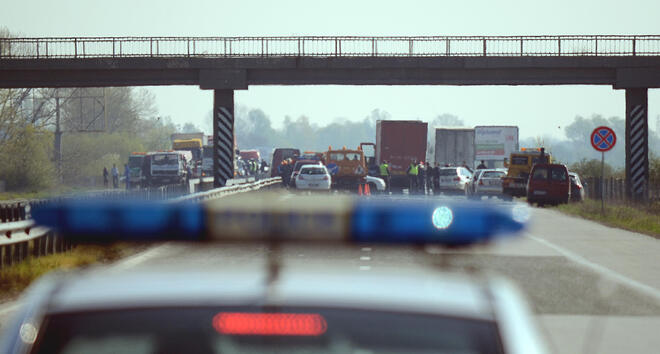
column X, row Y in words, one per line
column 526, row 173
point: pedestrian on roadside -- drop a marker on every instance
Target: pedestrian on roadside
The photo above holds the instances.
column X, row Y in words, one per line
column 385, row 174
column 482, row 165
column 127, row 176
column 543, row 158
column 421, row 177
column 436, row 179
column 105, row 177
column 412, row 172
column 287, row 171
column 115, row 176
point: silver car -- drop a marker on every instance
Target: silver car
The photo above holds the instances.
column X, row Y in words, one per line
column 305, row 308
column 453, row 179
column 489, row 183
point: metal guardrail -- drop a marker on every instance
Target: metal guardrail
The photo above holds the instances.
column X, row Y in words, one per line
column 229, row 190
column 21, row 238
column 346, row 46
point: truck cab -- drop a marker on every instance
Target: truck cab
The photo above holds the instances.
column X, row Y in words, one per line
column 194, row 146
column 168, row 167
column 135, row 175
column 520, row 164
column 347, row 167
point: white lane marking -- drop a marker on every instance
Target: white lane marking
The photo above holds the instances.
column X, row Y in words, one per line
column 140, row 257
column 599, row 269
column 365, row 258
column 10, row 308
column 366, row 249
column 365, row 267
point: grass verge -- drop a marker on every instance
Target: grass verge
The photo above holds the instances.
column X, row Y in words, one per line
column 638, row 218
column 43, row 194
column 15, row 278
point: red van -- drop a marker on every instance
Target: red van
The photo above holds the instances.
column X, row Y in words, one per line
column 548, row 183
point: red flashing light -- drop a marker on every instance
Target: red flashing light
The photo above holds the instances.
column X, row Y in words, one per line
column 270, row 324
column 457, row 179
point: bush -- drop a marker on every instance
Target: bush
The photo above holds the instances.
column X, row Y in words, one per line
column 26, row 160
column 85, row 154
column 592, row 168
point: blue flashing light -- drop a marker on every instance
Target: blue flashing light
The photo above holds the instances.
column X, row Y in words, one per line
column 422, row 221
column 135, row 220
column 367, row 220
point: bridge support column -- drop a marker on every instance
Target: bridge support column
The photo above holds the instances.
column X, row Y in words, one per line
column 637, row 144
column 223, row 137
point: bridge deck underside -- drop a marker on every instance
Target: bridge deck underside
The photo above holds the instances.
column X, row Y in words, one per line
column 239, row 73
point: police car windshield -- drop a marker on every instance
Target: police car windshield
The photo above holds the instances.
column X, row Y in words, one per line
column 291, row 330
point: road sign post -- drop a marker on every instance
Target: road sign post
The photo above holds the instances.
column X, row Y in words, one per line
column 603, row 139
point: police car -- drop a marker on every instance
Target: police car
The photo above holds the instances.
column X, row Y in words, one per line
column 282, row 307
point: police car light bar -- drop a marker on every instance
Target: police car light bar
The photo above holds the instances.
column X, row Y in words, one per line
column 273, row 216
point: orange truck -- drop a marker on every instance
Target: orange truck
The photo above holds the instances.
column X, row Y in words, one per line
column 347, row 167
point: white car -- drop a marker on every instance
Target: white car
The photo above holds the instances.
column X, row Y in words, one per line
column 453, row 179
column 308, row 308
column 313, row 177
column 489, row 183
column 379, row 183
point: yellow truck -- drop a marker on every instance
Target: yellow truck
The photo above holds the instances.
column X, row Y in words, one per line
column 347, row 167
column 520, row 164
column 195, row 147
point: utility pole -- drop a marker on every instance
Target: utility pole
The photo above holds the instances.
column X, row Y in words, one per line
column 58, row 141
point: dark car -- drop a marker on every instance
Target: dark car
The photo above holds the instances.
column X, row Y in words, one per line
column 577, row 187
column 548, row 183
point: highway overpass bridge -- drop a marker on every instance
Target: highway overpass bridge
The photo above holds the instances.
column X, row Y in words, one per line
column 225, row 64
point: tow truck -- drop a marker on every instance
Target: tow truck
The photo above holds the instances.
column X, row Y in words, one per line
column 347, row 167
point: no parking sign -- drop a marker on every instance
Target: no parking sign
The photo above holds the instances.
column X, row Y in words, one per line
column 603, row 138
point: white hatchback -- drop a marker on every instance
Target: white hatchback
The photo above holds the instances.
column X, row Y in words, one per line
column 314, row 177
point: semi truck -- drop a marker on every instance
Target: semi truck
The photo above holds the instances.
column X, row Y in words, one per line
column 454, row 146
column 495, row 144
column 399, row 142
column 166, row 167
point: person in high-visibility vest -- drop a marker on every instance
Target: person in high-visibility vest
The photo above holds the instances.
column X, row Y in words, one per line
column 385, row 174
column 413, row 171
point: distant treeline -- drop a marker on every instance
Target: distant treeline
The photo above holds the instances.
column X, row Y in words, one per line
column 254, row 129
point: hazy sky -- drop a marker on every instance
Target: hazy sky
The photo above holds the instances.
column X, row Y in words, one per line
column 537, row 110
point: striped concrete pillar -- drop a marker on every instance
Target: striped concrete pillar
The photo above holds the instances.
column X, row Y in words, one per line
column 223, row 137
column 637, row 145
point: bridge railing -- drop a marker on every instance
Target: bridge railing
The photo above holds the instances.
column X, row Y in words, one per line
column 429, row 46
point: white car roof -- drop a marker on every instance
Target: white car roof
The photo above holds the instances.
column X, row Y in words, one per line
column 418, row 291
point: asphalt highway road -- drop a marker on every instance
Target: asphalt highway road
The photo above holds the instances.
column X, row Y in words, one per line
column 593, row 288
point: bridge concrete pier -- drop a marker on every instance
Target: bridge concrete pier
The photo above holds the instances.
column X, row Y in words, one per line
column 223, row 137
column 637, row 144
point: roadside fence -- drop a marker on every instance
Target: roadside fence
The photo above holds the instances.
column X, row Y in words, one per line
column 613, row 189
